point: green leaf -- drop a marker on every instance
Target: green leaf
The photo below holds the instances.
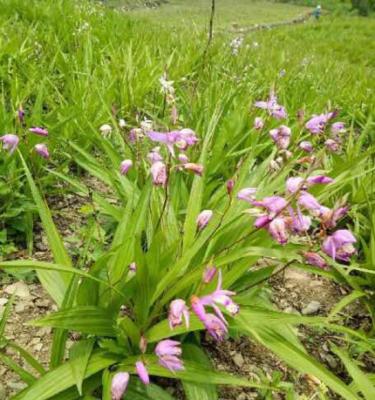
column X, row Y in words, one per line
column 62, row 378
column 363, row 382
column 198, row 391
column 80, row 355
column 138, row 391
column 85, row 319
column 55, row 283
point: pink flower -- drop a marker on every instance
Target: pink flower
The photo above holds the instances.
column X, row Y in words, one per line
column 142, row 372
column 154, row 155
column 21, row 115
column 177, row 310
column 182, row 139
column 119, row 384
column 300, row 223
column 183, row 158
column 230, row 186
column 339, row 245
column 315, row 259
column 293, row 185
column 258, row 123
column 278, row 229
column 10, row 142
column 332, row 145
column 198, row 307
column 318, row 123
column 215, row 327
column 204, row 218
column 308, row 201
column 262, row 221
column 306, row 146
column 246, row 194
column 169, row 352
column 39, row 131
column 42, row 150
column 319, row 179
column 273, row 204
column 159, row 173
column 125, row 166
column 274, row 109
column 281, row 136
column 331, row 217
column 221, row 297
column 209, row 273
column 338, row 127
column 197, row 169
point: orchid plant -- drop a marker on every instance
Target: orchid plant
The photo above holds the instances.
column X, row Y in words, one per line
column 184, row 259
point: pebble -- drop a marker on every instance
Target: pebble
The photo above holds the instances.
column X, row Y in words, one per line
column 2, row 392
column 238, row 360
column 17, row 386
column 19, row 288
column 311, row 308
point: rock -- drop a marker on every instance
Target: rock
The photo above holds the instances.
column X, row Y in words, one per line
column 17, row 386
column 242, row 396
column 20, row 307
column 2, row 392
column 291, row 310
column 331, row 361
column 19, row 288
column 238, row 360
column 3, row 301
column 311, row 308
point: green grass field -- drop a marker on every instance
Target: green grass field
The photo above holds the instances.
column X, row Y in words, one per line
column 74, row 66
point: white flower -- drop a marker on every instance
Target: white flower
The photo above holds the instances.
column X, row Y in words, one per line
column 105, row 130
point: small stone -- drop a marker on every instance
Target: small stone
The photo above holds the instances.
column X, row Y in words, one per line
column 19, row 288
column 291, row 310
column 20, row 307
column 38, row 347
column 2, row 392
column 311, row 308
column 17, row 386
column 242, row 396
column 238, row 360
column 331, row 361
column 3, row 301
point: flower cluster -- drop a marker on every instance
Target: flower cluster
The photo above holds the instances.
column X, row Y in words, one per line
column 11, row 141
column 235, row 45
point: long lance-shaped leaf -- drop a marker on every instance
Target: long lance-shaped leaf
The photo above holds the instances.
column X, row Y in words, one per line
column 363, row 382
column 196, row 193
column 193, row 372
column 62, row 378
column 293, row 355
column 54, row 282
column 85, row 319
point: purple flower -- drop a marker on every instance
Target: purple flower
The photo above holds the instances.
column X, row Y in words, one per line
column 273, row 108
column 293, row 185
column 306, row 146
column 281, row 136
column 21, row 115
column 332, row 145
column 182, row 139
column 154, row 155
column 198, row 307
column 209, row 273
column 246, row 194
column 338, row 127
column 39, row 131
column 229, row 186
column 10, row 142
column 221, row 297
column 159, row 173
column 278, row 230
column 273, row 204
column 204, row 218
column 331, row 217
column 319, row 179
column 197, row 169
column 300, row 223
column 315, row 259
column 262, row 221
column 258, row 123
column 142, row 372
column 125, row 166
column 339, row 245
column 318, row 123
column 308, row 201
column 177, row 310
column 169, row 352
column 215, row 327
column 183, row 158
column 119, row 384
column 42, row 150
